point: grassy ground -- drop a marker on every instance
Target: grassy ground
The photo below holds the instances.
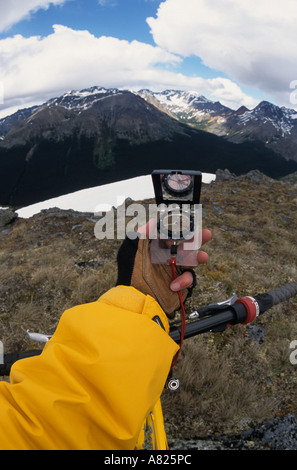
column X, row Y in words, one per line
column 229, row 382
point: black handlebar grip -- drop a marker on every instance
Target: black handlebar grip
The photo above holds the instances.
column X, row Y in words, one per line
column 10, row 359
column 283, row 293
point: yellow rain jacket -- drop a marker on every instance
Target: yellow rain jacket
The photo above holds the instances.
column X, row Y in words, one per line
column 95, row 381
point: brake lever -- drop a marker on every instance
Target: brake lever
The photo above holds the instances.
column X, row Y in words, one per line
column 39, row 337
column 213, row 308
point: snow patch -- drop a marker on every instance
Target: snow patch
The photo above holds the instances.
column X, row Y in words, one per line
column 101, row 198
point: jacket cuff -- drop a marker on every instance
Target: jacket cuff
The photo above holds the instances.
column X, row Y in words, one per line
column 128, row 297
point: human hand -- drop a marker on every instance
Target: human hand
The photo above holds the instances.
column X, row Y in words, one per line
column 135, row 269
column 186, row 279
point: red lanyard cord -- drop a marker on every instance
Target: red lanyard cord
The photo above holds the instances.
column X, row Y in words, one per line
column 172, row 263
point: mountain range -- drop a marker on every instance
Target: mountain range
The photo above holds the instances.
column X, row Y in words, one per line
column 272, row 125
column 96, row 136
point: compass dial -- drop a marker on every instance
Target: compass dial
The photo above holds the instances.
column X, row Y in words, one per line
column 177, row 184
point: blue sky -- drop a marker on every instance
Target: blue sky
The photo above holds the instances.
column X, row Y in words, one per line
column 231, row 51
column 125, row 19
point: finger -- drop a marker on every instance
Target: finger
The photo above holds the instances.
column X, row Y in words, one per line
column 184, row 281
column 206, row 236
column 202, row 257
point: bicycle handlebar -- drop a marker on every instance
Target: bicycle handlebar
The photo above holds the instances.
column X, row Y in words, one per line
column 283, row 293
column 10, row 359
column 244, row 310
column 215, row 317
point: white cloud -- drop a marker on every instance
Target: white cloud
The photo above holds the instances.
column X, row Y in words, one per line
column 252, row 42
column 1, row 93
column 35, row 69
column 69, row 58
column 13, row 11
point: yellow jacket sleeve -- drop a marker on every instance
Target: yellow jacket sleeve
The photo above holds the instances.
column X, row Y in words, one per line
column 95, row 381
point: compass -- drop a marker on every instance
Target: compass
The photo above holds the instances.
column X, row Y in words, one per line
column 178, row 184
column 176, row 225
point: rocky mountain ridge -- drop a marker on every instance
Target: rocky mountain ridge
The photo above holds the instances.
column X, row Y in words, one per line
column 97, row 136
column 275, row 126
column 84, row 113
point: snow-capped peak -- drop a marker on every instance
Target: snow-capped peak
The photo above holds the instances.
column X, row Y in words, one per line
column 283, row 119
column 175, row 98
column 78, row 99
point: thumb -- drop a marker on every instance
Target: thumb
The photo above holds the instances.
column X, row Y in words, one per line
column 184, row 281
